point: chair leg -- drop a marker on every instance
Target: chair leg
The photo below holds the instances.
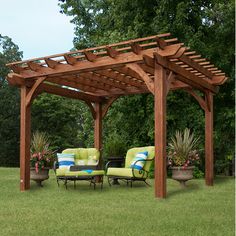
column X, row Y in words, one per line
column 147, row 183
column 102, row 183
column 66, row 183
column 131, row 183
column 57, row 182
column 108, row 179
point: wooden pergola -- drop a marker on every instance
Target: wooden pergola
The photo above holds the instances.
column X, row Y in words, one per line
column 99, row 75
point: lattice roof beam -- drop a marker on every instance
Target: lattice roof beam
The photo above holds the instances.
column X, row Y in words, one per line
column 99, row 63
column 123, row 78
column 98, row 78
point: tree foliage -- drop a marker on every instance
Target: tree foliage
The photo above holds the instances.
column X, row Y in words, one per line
column 206, row 26
column 9, row 104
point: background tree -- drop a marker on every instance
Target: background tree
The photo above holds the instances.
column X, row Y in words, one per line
column 207, row 26
column 9, row 104
column 62, row 119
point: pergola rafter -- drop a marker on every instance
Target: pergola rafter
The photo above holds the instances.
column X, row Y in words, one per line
column 99, row 75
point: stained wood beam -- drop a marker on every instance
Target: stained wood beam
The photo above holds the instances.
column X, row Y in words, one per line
column 15, row 79
column 209, row 154
column 34, row 66
column 73, row 83
column 87, row 79
column 90, row 56
column 107, row 105
column 198, row 98
column 112, row 52
column 150, row 63
column 51, row 63
column 161, row 43
column 136, row 48
column 52, row 89
column 184, row 73
column 218, row 80
column 91, row 107
column 160, row 131
column 123, row 78
column 16, row 68
column 97, row 48
column 102, row 79
column 196, row 66
column 98, row 126
column 99, row 63
column 70, row 59
column 25, row 137
column 125, row 71
column 33, row 90
column 148, row 81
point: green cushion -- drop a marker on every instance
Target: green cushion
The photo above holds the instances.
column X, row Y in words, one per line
column 125, row 172
column 132, row 153
column 84, row 173
column 62, row 172
column 84, row 156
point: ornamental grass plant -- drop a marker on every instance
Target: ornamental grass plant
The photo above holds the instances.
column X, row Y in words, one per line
column 183, row 149
column 41, row 154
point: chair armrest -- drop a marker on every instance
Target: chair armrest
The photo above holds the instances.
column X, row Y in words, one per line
column 112, row 161
column 142, row 171
column 107, row 166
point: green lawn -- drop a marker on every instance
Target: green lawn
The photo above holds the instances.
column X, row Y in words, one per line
column 119, row 210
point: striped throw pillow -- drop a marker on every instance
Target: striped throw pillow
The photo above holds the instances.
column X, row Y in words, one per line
column 139, row 160
column 65, row 160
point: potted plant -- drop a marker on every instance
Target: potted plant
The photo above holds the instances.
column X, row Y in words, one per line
column 41, row 158
column 182, row 155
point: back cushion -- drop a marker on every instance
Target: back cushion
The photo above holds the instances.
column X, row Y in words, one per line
column 133, row 152
column 84, row 156
column 139, row 160
column 65, row 160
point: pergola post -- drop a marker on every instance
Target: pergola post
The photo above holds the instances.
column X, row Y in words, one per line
column 209, row 157
column 160, row 131
column 98, row 126
column 25, row 133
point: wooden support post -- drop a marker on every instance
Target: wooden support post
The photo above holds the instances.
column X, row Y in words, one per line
column 25, row 131
column 98, row 127
column 209, row 157
column 160, row 131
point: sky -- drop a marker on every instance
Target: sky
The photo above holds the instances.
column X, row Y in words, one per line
column 36, row 26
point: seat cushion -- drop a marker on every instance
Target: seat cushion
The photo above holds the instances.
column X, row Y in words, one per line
column 65, row 172
column 61, row 172
column 85, row 173
column 125, row 172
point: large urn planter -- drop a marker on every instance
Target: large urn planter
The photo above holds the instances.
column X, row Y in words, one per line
column 182, row 174
column 39, row 176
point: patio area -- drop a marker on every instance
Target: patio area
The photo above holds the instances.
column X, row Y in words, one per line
column 198, row 210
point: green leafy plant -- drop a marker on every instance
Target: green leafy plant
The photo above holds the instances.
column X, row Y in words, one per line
column 183, row 149
column 115, row 146
column 41, row 154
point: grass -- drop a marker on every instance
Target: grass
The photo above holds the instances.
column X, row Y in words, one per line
column 119, row 210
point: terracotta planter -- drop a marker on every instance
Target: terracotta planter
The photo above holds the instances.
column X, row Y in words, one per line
column 182, row 174
column 40, row 176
